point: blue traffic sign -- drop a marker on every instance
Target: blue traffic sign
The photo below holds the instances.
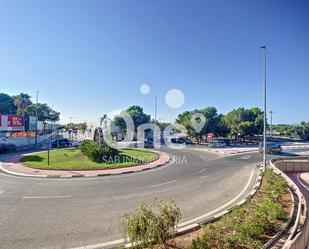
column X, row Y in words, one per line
column 47, row 144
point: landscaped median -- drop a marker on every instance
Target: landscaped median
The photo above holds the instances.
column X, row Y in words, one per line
column 74, row 159
column 71, row 162
column 250, row 225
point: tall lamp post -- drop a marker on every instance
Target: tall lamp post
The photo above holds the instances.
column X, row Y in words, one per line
column 264, row 126
column 271, row 123
column 36, row 118
column 156, row 109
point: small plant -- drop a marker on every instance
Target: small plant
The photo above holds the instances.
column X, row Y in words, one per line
column 250, row 225
column 274, row 184
column 95, row 153
column 151, row 224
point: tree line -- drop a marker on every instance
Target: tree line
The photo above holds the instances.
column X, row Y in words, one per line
column 239, row 123
column 22, row 104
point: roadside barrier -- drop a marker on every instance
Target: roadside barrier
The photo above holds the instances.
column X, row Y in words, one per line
column 299, row 237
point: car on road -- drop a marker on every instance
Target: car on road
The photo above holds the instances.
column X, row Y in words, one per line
column 181, row 140
column 63, row 142
column 217, row 144
column 271, row 148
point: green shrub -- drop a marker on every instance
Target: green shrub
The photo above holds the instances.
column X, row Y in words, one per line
column 87, row 146
column 250, row 225
column 95, row 153
column 274, row 185
column 153, row 223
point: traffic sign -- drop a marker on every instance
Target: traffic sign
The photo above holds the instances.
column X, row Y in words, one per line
column 47, row 144
column 209, row 136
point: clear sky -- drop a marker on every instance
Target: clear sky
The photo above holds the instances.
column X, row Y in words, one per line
column 88, row 58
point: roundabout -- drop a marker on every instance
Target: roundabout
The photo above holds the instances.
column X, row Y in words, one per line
column 76, row 212
column 35, row 164
column 73, row 159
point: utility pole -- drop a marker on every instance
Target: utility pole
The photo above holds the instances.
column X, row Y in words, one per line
column 271, row 123
column 156, row 108
column 265, row 109
column 36, row 118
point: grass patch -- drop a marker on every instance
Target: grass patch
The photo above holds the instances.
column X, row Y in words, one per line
column 73, row 159
column 251, row 225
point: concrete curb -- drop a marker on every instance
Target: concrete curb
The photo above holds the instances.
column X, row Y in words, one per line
column 180, row 230
column 287, row 224
column 295, row 239
column 169, row 161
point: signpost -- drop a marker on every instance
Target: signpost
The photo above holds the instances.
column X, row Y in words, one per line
column 209, row 136
column 47, row 146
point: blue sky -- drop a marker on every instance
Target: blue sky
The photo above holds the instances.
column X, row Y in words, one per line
column 90, row 57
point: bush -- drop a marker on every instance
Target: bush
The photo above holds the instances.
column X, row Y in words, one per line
column 153, row 223
column 250, row 225
column 95, row 153
column 274, row 185
column 87, row 146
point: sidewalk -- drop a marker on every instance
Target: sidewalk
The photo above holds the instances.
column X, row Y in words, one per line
column 13, row 166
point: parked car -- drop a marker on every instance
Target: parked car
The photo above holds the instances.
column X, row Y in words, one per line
column 271, row 148
column 217, row 144
column 148, row 143
column 6, row 147
column 63, row 142
column 181, row 140
column 76, row 144
column 226, row 141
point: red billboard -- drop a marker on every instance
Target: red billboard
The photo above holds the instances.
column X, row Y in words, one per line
column 16, row 123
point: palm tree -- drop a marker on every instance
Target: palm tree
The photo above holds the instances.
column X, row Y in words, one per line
column 102, row 119
column 22, row 100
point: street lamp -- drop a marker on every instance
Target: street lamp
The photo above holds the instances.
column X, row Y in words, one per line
column 36, row 118
column 156, row 109
column 271, row 123
column 264, row 126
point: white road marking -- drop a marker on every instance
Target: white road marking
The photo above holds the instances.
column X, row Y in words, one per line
column 204, row 176
column 201, row 171
column 301, row 182
column 162, row 184
column 1, row 191
column 303, row 153
column 119, row 241
column 245, row 157
column 222, row 207
column 102, row 245
column 46, row 197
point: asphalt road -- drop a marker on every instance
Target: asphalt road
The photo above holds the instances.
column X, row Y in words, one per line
column 66, row 213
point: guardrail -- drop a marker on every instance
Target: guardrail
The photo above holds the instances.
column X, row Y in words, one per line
column 299, row 237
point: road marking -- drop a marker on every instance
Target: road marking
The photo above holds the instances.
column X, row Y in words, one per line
column 102, row 245
column 1, row 191
column 222, row 207
column 162, row 184
column 120, row 241
column 301, row 182
column 201, row 171
column 303, row 153
column 204, row 176
column 46, row 197
column 245, row 157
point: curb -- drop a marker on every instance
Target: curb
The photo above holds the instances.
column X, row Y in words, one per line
column 169, row 161
column 180, row 230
